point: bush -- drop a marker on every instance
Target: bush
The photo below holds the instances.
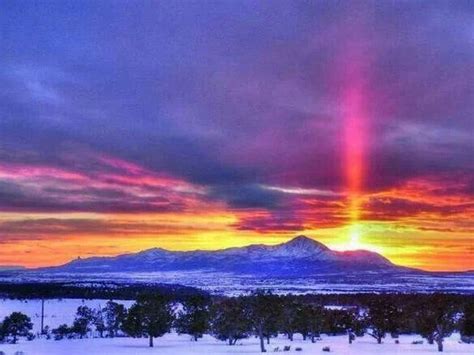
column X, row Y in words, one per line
column 61, row 332
column 327, row 349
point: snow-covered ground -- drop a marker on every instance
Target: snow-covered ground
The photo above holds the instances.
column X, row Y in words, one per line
column 172, row 344
column 56, row 312
column 62, row 311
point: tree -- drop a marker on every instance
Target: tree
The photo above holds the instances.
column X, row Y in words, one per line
column 114, row 314
column 194, row 318
column 15, row 325
column 467, row 322
column 315, row 317
column 352, row 323
column 382, row 317
column 289, row 316
column 303, row 320
column 425, row 325
column 264, row 315
column 230, row 320
column 356, row 324
column 99, row 321
column 149, row 316
column 84, row 318
column 335, row 321
column 435, row 319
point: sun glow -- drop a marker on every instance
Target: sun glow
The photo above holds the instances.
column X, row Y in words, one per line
column 354, row 234
column 355, row 138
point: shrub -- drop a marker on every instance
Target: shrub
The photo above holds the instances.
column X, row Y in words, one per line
column 61, row 332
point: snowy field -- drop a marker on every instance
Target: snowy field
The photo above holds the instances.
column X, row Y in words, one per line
column 172, row 344
column 62, row 311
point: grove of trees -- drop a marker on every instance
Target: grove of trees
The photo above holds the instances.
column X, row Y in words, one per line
column 266, row 315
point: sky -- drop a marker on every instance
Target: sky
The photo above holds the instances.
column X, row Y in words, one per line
column 126, row 125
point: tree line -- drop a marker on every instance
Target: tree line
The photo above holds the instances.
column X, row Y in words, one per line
column 96, row 290
column 265, row 316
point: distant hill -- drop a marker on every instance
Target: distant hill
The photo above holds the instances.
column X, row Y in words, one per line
column 5, row 268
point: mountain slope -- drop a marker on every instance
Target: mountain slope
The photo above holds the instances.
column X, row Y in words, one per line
column 298, row 257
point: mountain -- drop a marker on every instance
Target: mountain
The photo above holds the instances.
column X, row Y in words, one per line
column 298, row 257
column 298, row 266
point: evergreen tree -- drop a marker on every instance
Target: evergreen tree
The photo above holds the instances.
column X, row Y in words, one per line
column 425, row 325
column 264, row 315
column 82, row 322
column 114, row 314
column 334, row 321
column 16, row 325
column 467, row 322
column 315, row 315
column 194, row 318
column 99, row 321
column 289, row 316
column 230, row 320
column 303, row 320
column 358, row 323
column 149, row 316
column 352, row 323
column 382, row 317
column 435, row 319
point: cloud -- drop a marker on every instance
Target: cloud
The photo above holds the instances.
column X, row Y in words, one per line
column 246, row 196
column 41, row 228
column 106, row 186
column 172, row 106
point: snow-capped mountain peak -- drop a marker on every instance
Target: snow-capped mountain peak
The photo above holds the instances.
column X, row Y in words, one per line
column 301, row 247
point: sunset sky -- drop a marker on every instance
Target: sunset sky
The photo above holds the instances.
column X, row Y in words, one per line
column 127, row 125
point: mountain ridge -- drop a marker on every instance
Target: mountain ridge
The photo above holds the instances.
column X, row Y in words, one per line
column 299, row 256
